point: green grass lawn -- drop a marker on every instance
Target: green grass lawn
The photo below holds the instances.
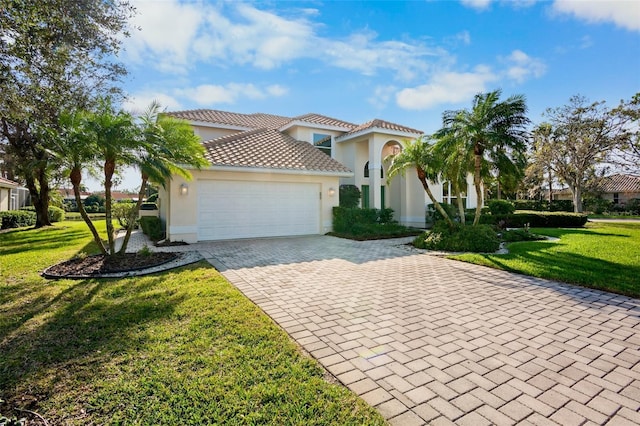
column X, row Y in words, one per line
column 181, row 347
column 605, row 256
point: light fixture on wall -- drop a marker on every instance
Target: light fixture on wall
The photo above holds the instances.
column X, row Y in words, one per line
column 331, row 192
column 184, row 189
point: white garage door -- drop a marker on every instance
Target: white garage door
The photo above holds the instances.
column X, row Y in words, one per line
column 236, row 209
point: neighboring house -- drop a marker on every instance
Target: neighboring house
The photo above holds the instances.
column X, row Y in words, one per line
column 12, row 195
column 68, row 195
column 618, row 189
column 279, row 176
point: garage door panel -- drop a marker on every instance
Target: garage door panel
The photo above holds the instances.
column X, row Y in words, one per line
column 240, row 209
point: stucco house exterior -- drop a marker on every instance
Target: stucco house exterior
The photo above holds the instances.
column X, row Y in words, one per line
column 617, row 188
column 7, row 196
column 274, row 176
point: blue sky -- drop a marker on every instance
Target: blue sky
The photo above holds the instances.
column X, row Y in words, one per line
column 404, row 62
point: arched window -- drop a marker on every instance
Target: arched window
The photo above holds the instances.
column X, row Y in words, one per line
column 366, row 171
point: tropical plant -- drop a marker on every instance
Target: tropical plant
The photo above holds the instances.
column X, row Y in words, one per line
column 419, row 154
column 455, row 165
column 491, row 130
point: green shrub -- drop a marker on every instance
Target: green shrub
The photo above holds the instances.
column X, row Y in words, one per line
column 561, row 206
column 461, row 238
column 349, row 196
column 633, row 206
column 17, row 219
column 56, row 214
column 122, row 212
column 501, row 207
column 433, row 215
column 152, row 227
column 597, row 205
column 543, row 205
column 520, row 234
column 345, row 220
column 536, row 220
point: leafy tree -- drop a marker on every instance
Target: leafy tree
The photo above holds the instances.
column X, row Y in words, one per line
column 628, row 113
column 55, row 55
column 540, row 170
column 584, row 137
column 492, row 130
column 419, row 154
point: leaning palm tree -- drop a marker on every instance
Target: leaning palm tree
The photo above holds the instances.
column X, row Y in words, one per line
column 419, row 154
column 168, row 146
column 491, row 126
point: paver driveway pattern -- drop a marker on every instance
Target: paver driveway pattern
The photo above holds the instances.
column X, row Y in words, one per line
column 432, row 341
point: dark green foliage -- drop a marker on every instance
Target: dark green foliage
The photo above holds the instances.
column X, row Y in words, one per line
column 536, row 220
column 122, row 211
column 349, row 196
column 543, row 205
column 152, row 198
column 17, row 219
column 152, row 227
column 56, row 214
column 433, row 215
column 633, row 206
column 501, row 207
column 462, row 238
column 597, row 205
column 367, row 224
column 520, row 234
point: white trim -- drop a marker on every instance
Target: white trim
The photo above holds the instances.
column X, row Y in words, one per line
column 313, row 126
column 346, row 137
column 277, row 171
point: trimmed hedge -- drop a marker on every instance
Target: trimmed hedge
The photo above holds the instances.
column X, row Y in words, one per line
column 348, row 220
column 543, row 205
column 152, row 227
column 501, row 207
column 536, row 220
column 349, row 196
column 56, row 214
column 17, row 219
column 466, row 238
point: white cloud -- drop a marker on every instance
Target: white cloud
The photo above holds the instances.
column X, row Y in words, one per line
column 477, row 4
column 446, row 88
column 521, row 66
column 623, row 13
column 381, row 96
column 175, row 36
column 139, row 102
column 210, row 94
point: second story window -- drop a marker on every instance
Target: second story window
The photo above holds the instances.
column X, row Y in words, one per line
column 322, row 142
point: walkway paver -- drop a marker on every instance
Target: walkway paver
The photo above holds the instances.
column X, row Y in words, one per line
column 427, row 340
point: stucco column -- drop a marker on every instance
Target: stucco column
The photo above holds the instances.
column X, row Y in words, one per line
column 375, row 164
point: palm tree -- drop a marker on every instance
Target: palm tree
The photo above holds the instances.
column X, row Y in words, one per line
column 490, row 129
column 168, row 146
column 419, row 154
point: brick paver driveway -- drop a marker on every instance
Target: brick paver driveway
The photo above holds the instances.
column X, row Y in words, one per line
column 428, row 340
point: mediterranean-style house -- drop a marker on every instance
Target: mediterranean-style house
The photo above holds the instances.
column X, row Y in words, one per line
column 280, row 176
column 617, row 188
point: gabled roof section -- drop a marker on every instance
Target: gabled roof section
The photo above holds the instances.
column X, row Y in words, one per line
column 620, row 183
column 248, row 121
column 323, row 120
column 378, row 125
column 6, row 183
column 270, row 149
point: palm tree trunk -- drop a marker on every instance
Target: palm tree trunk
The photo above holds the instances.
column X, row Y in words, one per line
column 109, row 169
column 460, row 207
column 134, row 215
column 477, row 181
column 76, row 178
column 423, row 179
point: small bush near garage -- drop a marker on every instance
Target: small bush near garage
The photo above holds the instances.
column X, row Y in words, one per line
column 152, row 227
column 536, row 220
column 461, row 238
column 349, row 196
column 367, row 224
column 17, row 219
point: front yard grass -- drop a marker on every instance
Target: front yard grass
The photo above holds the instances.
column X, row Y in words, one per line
column 181, row 347
column 604, row 256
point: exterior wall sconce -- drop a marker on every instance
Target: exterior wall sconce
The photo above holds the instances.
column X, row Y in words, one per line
column 331, row 192
column 184, row 189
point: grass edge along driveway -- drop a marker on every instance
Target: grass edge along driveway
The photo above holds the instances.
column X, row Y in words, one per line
column 180, row 347
column 603, row 256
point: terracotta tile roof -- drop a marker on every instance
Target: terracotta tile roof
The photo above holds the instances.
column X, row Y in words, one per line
column 269, row 148
column 324, row 120
column 620, row 183
column 381, row 124
column 6, row 183
column 249, row 121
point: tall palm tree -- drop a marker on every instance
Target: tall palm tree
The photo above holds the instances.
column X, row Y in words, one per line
column 167, row 147
column 419, row 154
column 490, row 128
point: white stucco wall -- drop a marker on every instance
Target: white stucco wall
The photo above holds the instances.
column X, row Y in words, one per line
column 4, row 199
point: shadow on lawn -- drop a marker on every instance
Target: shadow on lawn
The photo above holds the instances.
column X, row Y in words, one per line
column 88, row 322
column 21, row 240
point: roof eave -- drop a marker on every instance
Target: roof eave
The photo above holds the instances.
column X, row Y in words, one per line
column 343, row 138
column 313, row 125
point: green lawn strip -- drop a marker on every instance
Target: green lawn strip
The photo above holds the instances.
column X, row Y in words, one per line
column 604, row 256
column 181, row 347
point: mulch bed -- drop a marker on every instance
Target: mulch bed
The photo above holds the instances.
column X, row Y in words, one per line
column 100, row 264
